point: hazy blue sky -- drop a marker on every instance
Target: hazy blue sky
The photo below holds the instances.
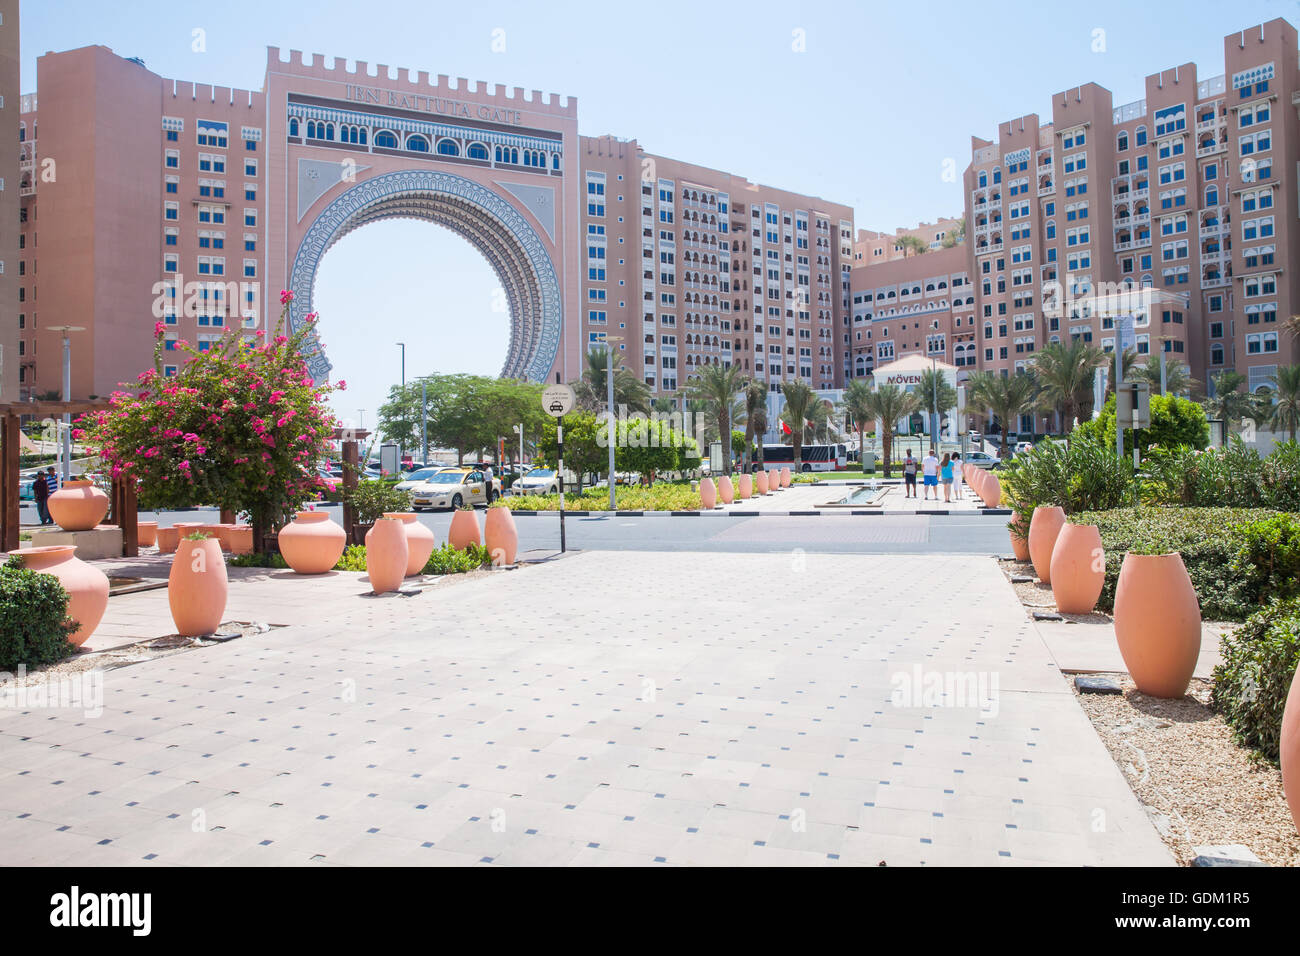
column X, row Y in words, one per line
column 866, row 114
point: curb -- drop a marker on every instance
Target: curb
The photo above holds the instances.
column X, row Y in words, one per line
column 718, row 512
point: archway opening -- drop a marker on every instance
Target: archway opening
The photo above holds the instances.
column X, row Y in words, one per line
column 412, row 281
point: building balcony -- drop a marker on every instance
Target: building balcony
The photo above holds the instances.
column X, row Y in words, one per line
column 1211, row 149
column 27, row 190
column 1047, row 190
column 1215, row 283
column 1218, row 229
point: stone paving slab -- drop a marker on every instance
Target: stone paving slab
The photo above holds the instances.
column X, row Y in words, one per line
column 603, row 709
column 1089, row 647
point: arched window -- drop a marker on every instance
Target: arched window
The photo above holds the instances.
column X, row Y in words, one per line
column 1121, row 142
column 385, row 140
column 293, row 126
column 555, row 160
column 1211, row 195
column 476, row 151
column 1141, row 135
column 448, row 147
column 417, row 143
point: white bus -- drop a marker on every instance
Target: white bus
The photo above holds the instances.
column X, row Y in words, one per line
column 815, row 457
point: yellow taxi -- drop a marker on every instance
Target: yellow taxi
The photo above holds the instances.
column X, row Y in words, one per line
column 452, row 489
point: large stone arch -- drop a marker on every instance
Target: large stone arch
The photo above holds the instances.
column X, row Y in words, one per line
column 500, row 232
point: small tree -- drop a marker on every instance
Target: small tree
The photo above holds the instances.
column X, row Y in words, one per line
column 242, row 426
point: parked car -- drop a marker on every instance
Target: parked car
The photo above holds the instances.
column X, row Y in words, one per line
column 416, row 477
column 539, row 481
column 980, row 459
column 453, row 488
column 484, row 466
column 1022, row 447
column 332, row 481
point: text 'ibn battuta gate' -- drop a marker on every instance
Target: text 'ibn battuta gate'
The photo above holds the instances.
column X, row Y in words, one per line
column 348, row 147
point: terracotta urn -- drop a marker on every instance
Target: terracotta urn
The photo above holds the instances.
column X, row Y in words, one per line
column 464, row 530
column 760, row 483
column 241, row 538
column 1044, row 526
column 993, row 489
column 745, row 489
column 197, row 587
column 87, row 586
column 1157, row 623
column 312, row 543
column 785, row 477
column 708, row 494
column 146, row 533
column 1078, row 568
column 167, row 539
column 219, row 531
column 773, row 481
column 501, row 536
column 726, row 490
column 78, row 505
column 420, row 541
column 1019, row 545
column 1289, row 749
column 386, row 554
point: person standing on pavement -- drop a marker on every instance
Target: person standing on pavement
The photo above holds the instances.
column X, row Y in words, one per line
column 958, row 479
column 945, row 476
column 41, row 492
column 930, row 474
column 51, row 480
column 909, row 475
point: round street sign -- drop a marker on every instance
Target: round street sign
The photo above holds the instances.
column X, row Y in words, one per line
column 557, row 400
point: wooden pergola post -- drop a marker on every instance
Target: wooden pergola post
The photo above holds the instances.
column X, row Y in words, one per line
column 125, row 515
column 351, row 440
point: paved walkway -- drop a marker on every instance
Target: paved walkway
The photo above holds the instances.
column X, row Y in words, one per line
column 806, row 497
column 606, row 708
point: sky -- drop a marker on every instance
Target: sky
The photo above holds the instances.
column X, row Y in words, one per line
column 859, row 103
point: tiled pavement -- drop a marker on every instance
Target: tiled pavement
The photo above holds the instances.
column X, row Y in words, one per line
column 607, row 708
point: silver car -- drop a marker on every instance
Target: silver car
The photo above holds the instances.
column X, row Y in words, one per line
column 539, row 481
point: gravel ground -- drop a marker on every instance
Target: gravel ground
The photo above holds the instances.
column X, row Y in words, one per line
column 1197, row 784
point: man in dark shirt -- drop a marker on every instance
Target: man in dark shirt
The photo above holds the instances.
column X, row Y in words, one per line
column 41, row 492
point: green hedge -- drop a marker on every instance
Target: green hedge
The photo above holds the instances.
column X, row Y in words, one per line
column 1219, row 547
column 444, row 560
column 34, row 624
column 1251, row 685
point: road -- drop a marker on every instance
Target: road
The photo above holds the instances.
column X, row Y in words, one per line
column 828, row 532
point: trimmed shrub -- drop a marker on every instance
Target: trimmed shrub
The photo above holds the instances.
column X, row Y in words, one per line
column 373, row 498
column 1268, row 561
column 34, row 624
column 1174, row 421
column 1251, row 685
column 444, row 560
column 353, row 559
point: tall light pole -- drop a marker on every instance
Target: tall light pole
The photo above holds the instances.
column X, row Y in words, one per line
column 609, row 397
column 403, row 345
column 67, row 330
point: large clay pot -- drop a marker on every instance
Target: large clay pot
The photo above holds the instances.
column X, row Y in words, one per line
column 420, row 541
column 220, row 532
column 773, row 481
column 78, row 505
column 726, row 490
column 464, row 530
column 167, row 538
column 87, row 586
column 146, row 533
column 1044, row 526
column 1077, row 568
column 197, row 587
column 760, row 483
column 993, row 492
column 386, row 554
column 501, row 536
column 1019, row 545
column 241, row 538
column 745, row 491
column 1289, row 750
column 312, row 543
column 1157, row 623
column 708, row 494
column 785, row 477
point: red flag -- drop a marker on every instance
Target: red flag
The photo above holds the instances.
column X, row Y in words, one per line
column 785, row 429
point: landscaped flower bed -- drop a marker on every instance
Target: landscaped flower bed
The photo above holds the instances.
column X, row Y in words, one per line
column 666, row 496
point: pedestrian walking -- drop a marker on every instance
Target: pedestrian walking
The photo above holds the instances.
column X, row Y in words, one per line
column 51, row 480
column 930, row 474
column 958, row 479
column 945, row 476
column 909, row 475
column 41, row 492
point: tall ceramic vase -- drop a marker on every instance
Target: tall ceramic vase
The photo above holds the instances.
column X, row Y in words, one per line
column 78, row 506
column 726, row 490
column 197, row 587
column 1044, row 526
column 1078, row 568
column 745, row 491
column 760, row 483
column 785, row 477
column 87, row 586
column 464, row 530
column 708, row 494
column 386, row 554
column 420, row 541
column 773, row 481
column 1157, row 623
column 1019, row 545
column 1289, row 750
column 993, row 498
column 501, row 536
column 312, row 543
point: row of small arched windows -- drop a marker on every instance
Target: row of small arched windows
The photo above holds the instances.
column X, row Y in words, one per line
column 418, row 143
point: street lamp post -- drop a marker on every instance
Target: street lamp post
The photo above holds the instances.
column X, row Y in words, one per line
column 67, row 330
column 403, row 346
column 609, row 398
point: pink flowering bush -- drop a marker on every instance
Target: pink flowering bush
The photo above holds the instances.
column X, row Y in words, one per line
column 241, row 425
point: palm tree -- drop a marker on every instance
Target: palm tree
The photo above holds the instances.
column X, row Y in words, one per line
column 716, row 386
column 889, row 403
column 799, row 401
column 755, row 392
column 1229, row 404
column 857, row 405
column 663, row 405
column 1064, row 373
column 914, row 244
column 935, row 394
column 592, row 391
column 1178, row 378
column 1006, row 397
column 1285, row 414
